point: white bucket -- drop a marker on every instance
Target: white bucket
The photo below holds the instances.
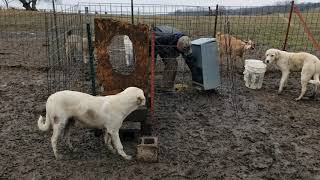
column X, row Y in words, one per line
column 254, row 73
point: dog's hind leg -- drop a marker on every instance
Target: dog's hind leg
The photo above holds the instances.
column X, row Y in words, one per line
column 305, row 77
column 67, row 133
column 315, row 89
column 242, row 63
column 108, row 141
column 220, row 58
column 54, row 139
column 58, row 126
column 117, row 143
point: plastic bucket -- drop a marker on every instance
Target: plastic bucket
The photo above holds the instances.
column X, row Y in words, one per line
column 254, row 73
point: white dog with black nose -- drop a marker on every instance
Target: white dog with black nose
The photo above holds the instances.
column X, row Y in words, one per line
column 308, row 64
column 105, row 112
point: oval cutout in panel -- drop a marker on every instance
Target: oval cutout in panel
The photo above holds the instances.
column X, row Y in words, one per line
column 121, row 54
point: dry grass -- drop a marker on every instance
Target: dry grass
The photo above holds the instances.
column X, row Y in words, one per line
column 265, row 30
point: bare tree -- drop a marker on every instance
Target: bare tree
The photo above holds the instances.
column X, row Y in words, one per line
column 283, row 3
column 33, row 3
column 7, row 4
column 27, row 6
column 222, row 10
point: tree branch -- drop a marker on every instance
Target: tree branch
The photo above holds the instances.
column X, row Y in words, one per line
column 6, row 2
column 34, row 2
column 27, row 6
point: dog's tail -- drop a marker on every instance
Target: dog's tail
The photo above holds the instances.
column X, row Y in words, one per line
column 44, row 126
column 315, row 82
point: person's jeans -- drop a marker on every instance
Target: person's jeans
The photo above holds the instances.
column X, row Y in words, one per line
column 169, row 73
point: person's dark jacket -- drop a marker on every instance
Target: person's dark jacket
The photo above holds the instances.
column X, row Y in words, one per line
column 166, row 39
column 166, row 45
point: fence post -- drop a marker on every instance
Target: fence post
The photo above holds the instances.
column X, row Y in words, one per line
column 56, row 31
column 132, row 17
column 288, row 28
column 90, row 46
column 47, row 49
column 215, row 21
column 152, row 77
column 306, row 29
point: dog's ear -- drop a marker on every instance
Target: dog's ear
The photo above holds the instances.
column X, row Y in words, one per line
column 277, row 54
column 139, row 100
column 248, row 42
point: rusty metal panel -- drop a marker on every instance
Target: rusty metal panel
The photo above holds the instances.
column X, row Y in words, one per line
column 113, row 82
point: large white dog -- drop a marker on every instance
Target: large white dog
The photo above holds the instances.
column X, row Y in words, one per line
column 128, row 48
column 74, row 47
column 308, row 64
column 105, row 112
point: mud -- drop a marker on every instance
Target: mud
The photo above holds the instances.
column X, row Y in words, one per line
column 255, row 134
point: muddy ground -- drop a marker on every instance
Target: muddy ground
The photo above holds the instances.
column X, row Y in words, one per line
column 202, row 136
column 224, row 134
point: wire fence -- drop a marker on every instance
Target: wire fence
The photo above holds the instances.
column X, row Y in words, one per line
column 66, row 52
column 267, row 27
column 57, row 41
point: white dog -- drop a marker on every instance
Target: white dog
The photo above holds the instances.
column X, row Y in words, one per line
column 76, row 45
column 106, row 112
column 128, row 48
column 308, row 64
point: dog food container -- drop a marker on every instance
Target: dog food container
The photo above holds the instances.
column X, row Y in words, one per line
column 254, row 73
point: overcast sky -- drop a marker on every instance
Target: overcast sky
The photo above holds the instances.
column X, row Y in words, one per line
column 42, row 4
column 212, row 2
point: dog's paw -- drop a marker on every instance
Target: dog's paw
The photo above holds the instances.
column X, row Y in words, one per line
column 297, row 99
column 128, row 157
column 58, row 157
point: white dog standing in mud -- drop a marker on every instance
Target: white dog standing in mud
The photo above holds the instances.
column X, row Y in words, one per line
column 308, row 64
column 128, row 48
column 107, row 112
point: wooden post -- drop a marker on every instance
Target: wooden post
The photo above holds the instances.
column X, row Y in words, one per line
column 288, row 28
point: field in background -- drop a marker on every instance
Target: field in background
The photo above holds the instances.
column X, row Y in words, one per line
column 265, row 30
